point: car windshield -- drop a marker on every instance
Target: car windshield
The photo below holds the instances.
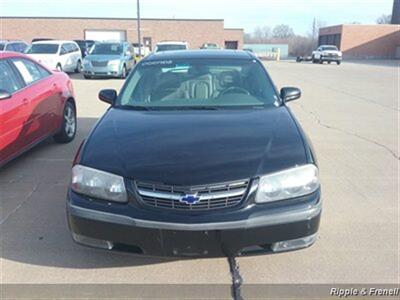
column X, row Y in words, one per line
column 327, row 48
column 198, row 84
column 107, row 49
column 43, row 49
column 171, row 47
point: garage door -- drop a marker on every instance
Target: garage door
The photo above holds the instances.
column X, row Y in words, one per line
column 105, row 35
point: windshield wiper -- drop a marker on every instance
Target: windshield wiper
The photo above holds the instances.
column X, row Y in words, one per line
column 196, row 108
column 133, row 107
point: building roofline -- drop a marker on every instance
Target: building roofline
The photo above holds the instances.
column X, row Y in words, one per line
column 234, row 28
column 344, row 24
column 109, row 18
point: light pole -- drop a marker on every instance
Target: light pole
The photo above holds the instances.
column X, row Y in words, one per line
column 138, row 28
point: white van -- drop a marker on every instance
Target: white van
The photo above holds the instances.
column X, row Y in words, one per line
column 171, row 46
column 57, row 55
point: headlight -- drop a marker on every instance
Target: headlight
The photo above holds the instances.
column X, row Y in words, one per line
column 291, row 183
column 98, row 184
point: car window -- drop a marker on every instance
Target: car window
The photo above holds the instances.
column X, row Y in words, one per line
column 12, row 47
column 2, row 47
column 331, row 48
column 75, row 48
column 72, row 47
column 22, row 47
column 107, row 48
column 8, row 80
column 198, row 82
column 67, row 48
column 63, row 50
column 29, row 70
column 43, row 49
column 171, row 47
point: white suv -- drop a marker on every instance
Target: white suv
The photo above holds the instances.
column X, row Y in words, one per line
column 57, row 55
column 327, row 53
column 171, row 46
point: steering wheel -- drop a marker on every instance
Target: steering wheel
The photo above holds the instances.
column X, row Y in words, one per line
column 235, row 90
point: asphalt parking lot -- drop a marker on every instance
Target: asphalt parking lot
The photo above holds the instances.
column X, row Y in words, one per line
column 350, row 113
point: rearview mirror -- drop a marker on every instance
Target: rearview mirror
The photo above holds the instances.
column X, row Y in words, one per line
column 4, row 95
column 290, row 94
column 109, row 96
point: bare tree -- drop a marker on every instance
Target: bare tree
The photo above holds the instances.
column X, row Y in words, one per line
column 282, row 31
column 262, row 34
column 384, row 19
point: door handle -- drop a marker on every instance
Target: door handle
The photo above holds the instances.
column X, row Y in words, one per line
column 25, row 101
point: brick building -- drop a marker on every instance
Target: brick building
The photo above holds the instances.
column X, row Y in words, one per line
column 363, row 41
column 194, row 31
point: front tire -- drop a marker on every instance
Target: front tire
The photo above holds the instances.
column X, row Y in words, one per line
column 78, row 68
column 338, row 62
column 124, row 72
column 68, row 126
column 87, row 76
column 314, row 61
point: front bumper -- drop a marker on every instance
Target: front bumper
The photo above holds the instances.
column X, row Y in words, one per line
column 108, row 71
column 253, row 230
column 331, row 58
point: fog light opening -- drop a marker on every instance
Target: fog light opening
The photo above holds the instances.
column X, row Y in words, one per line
column 294, row 244
column 92, row 242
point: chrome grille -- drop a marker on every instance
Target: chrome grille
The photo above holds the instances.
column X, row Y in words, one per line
column 213, row 196
column 99, row 63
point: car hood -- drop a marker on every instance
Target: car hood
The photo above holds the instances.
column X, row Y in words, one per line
column 194, row 147
column 102, row 57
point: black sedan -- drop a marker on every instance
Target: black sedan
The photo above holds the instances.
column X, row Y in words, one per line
column 198, row 155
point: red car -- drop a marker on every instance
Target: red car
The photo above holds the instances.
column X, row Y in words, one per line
column 35, row 103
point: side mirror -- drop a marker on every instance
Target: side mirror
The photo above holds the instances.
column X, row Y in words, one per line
column 4, row 95
column 109, row 96
column 290, row 94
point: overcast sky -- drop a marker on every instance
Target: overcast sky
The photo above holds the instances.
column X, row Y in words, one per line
column 246, row 14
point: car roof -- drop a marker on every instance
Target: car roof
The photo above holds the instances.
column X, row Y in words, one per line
column 8, row 54
column 11, row 41
column 182, row 54
column 172, row 43
column 111, row 42
column 53, row 42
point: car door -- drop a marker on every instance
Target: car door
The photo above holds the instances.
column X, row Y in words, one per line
column 77, row 55
column 14, row 112
column 131, row 57
column 44, row 97
column 64, row 57
column 74, row 56
column 318, row 53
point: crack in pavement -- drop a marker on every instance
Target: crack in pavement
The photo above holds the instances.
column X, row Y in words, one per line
column 34, row 189
column 319, row 122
